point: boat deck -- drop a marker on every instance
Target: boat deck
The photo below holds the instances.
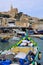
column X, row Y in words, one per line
column 22, row 49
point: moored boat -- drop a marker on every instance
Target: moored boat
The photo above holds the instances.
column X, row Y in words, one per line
column 25, row 52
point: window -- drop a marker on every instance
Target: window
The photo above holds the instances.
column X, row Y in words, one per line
column 11, row 22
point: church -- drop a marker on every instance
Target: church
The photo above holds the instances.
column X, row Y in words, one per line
column 12, row 12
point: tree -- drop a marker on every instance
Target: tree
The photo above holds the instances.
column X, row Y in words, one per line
column 17, row 16
column 4, row 15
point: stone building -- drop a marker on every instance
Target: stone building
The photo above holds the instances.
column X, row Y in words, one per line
column 4, row 16
column 38, row 26
column 3, row 22
column 21, row 20
column 12, row 12
column 0, row 21
column 24, row 17
column 22, row 23
column 11, row 22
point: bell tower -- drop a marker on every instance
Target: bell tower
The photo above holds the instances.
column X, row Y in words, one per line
column 13, row 11
column 11, row 8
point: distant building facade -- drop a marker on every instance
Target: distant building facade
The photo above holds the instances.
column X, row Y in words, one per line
column 22, row 23
column 21, row 20
column 12, row 12
column 38, row 26
column 3, row 22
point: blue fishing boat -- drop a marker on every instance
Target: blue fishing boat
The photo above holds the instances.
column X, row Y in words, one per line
column 5, row 62
column 40, row 31
column 3, row 40
column 41, row 38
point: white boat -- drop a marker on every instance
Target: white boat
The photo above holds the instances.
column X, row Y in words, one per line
column 15, row 38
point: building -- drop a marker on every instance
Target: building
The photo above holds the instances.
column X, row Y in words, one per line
column 3, row 22
column 0, row 21
column 7, row 18
column 38, row 26
column 13, row 18
column 22, row 24
column 12, row 12
column 11, row 22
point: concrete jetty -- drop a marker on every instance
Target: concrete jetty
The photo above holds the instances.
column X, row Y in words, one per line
column 38, row 35
column 6, row 35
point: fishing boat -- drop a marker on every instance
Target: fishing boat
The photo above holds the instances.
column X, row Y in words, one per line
column 26, row 52
column 41, row 38
column 26, row 40
column 14, row 38
column 4, row 40
column 5, row 62
column 40, row 31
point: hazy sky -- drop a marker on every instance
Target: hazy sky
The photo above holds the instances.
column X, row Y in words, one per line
column 30, row 7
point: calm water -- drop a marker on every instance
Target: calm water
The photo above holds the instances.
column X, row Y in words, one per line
column 4, row 46
column 40, row 46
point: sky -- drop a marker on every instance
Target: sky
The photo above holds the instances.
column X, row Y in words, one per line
column 31, row 7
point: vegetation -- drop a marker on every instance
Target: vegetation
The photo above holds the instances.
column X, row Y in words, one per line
column 17, row 16
column 4, row 15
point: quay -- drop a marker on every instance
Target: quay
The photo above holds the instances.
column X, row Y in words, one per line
column 15, row 27
column 38, row 35
column 6, row 35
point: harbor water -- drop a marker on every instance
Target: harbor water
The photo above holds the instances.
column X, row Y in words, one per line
column 40, row 46
column 7, row 45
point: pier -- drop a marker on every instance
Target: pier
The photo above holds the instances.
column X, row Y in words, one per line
column 16, row 27
column 38, row 35
column 6, row 35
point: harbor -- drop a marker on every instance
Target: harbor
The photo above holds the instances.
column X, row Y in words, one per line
column 9, row 44
column 21, row 34
column 36, row 35
column 18, row 41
